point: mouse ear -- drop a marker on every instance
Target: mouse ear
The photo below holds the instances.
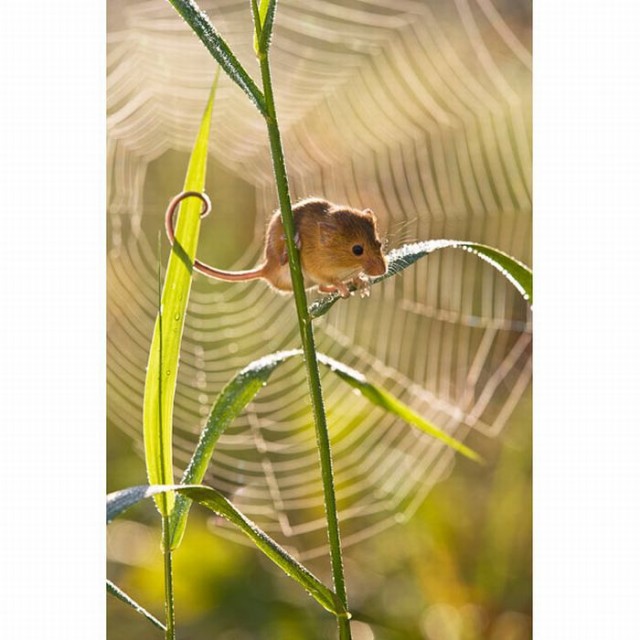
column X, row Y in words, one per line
column 326, row 230
column 368, row 212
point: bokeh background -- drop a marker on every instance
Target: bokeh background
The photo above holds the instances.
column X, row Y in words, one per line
column 420, row 110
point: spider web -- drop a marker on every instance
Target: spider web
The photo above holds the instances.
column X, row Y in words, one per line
column 419, row 110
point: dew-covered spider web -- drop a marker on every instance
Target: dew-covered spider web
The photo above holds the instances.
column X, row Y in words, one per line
column 420, row 110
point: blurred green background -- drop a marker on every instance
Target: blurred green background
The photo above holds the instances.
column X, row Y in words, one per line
column 422, row 111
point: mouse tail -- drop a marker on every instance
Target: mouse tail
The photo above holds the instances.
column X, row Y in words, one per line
column 229, row 276
column 202, row 267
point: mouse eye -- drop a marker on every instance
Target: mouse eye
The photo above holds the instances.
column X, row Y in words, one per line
column 357, row 249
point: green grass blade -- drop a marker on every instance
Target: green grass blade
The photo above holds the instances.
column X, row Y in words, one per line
column 515, row 271
column 390, row 403
column 519, row 274
column 232, row 400
column 121, row 595
column 215, row 501
column 219, row 49
column 257, row 26
column 241, row 390
column 158, row 421
column 262, row 35
column 119, row 501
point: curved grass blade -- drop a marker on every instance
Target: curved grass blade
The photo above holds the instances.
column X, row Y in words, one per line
column 119, row 501
column 399, row 259
column 121, row 595
column 243, row 388
column 390, row 403
column 519, row 274
column 215, row 501
column 236, row 395
column 219, row 49
column 158, row 397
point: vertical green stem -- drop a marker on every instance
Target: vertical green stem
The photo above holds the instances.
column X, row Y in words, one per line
column 308, row 345
column 169, row 613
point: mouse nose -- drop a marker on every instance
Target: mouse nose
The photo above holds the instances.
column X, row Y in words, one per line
column 377, row 267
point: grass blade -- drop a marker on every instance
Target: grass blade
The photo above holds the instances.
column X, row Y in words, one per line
column 215, row 501
column 121, row 595
column 158, row 420
column 262, row 35
column 232, row 400
column 390, row 403
column 257, row 25
column 119, row 501
column 219, row 49
column 515, row 271
column 243, row 388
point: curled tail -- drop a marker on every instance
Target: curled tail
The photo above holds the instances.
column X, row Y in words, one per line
column 205, row 269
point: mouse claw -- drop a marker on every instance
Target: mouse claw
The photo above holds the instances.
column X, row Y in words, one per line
column 343, row 290
column 297, row 240
column 363, row 285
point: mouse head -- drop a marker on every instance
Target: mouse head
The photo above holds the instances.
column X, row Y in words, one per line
column 352, row 238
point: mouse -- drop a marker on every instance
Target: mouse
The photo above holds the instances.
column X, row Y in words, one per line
column 338, row 245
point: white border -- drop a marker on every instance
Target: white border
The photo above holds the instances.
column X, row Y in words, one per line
column 52, row 249
column 587, row 345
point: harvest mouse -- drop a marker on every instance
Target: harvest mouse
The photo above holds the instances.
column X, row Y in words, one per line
column 337, row 244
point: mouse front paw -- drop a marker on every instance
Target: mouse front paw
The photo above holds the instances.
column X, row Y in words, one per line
column 338, row 286
column 363, row 286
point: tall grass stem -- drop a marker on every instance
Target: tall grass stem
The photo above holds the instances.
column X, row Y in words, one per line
column 170, row 618
column 308, row 345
